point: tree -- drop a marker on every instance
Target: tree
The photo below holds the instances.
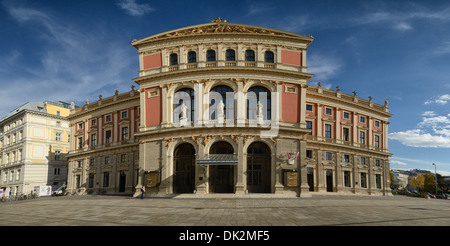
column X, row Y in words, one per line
column 417, row 182
column 430, row 183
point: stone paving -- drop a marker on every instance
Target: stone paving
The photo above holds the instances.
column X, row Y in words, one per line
column 318, row 210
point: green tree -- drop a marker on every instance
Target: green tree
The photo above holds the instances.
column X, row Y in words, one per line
column 417, row 182
column 430, row 183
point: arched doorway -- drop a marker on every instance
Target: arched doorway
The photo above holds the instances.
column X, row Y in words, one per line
column 258, row 168
column 221, row 177
column 184, row 168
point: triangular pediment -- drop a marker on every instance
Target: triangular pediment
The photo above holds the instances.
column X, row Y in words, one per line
column 221, row 27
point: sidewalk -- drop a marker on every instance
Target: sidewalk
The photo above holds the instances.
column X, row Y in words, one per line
column 220, row 210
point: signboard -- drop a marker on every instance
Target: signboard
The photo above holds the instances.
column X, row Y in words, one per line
column 151, row 179
column 44, row 190
column 291, row 178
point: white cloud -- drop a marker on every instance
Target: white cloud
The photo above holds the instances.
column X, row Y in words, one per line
column 441, row 100
column 429, row 113
column 399, row 17
column 402, row 26
column 74, row 63
column 433, row 131
column 323, row 67
column 398, row 162
column 418, row 138
column 133, row 8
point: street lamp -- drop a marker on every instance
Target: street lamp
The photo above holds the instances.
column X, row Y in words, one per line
column 435, row 176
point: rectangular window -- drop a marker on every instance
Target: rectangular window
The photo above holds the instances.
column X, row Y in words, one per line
column 124, row 114
column 377, row 163
column 377, row 141
column 123, row 157
column 378, row 181
column 91, row 180
column 363, row 160
column 347, row 179
column 345, row 134
column 362, row 137
column 93, row 139
column 108, row 118
column 108, row 136
column 80, row 142
column 346, row 115
column 377, row 123
column 93, row 122
column 105, row 179
column 80, row 126
column 106, row 159
column 309, row 126
column 124, row 133
column 363, row 180
column 58, row 136
column 57, row 155
column 327, row 130
column 362, row 119
column 347, row 158
column 328, row 111
column 309, row 107
column 328, row 156
column 92, row 162
column 309, row 153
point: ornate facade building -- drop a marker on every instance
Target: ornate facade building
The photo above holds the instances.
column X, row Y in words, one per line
column 34, row 139
column 104, row 149
column 225, row 108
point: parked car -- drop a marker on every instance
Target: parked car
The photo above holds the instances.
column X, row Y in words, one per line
column 60, row 191
column 441, row 196
column 431, row 195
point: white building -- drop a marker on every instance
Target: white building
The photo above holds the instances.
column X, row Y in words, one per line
column 33, row 141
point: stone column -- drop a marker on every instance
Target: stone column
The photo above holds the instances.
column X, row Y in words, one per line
column 321, row 186
column 200, row 171
column 303, row 106
column 339, row 174
column 304, row 187
column 242, row 162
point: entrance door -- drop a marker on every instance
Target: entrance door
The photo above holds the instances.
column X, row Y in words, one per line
column 184, row 169
column 310, row 178
column 258, row 168
column 221, row 177
column 329, row 180
column 122, row 179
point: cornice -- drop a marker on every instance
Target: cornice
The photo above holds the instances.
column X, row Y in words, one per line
column 219, row 29
column 340, row 97
column 105, row 103
column 215, row 70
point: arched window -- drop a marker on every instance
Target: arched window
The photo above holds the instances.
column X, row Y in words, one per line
column 173, row 59
column 249, row 55
column 230, row 55
column 268, row 57
column 192, row 57
column 183, row 96
column 210, row 55
column 220, row 94
column 255, row 95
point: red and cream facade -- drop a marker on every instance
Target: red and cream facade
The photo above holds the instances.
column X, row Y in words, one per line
column 104, row 156
column 222, row 107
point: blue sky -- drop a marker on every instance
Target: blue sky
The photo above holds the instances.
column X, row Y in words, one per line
column 74, row 50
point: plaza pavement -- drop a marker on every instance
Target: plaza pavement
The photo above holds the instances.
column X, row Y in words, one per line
column 222, row 210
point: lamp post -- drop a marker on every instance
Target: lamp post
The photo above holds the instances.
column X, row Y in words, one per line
column 435, row 176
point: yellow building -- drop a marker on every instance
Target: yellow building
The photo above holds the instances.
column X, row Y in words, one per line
column 34, row 139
